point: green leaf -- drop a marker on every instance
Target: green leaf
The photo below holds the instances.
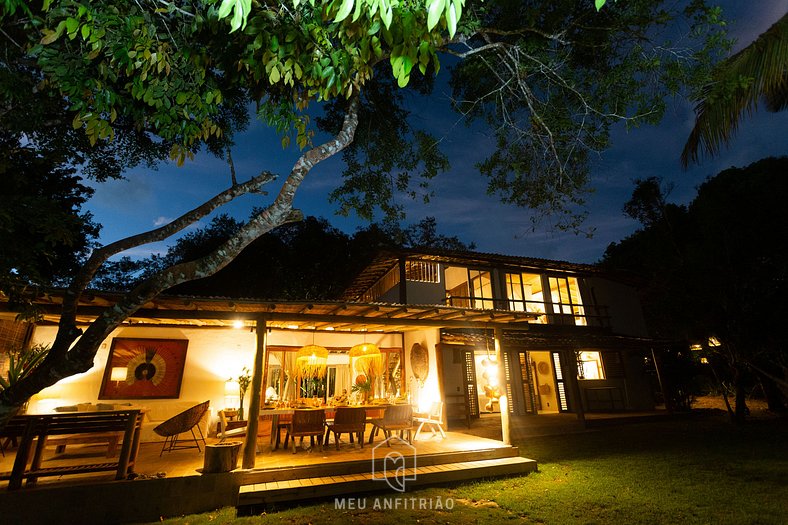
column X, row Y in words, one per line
column 72, row 24
column 599, row 4
column 344, row 10
column 451, row 19
column 386, row 13
column 434, row 10
column 274, row 77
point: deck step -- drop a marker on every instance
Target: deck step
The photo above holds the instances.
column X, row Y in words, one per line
column 318, row 470
column 263, row 494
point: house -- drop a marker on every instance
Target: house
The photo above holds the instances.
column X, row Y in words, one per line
column 483, row 333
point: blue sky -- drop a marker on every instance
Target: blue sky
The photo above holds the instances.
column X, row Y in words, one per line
column 147, row 198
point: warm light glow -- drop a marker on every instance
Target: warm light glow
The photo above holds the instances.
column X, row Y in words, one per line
column 490, row 371
column 713, row 341
column 330, row 328
column 232, row 391
column 118, row 373
column 704, row 360
column 591, row 363
column 366, row 359
column 231, row 387
column 293, row 326
column 311, row 361
column 238, row 324
column 696, row 347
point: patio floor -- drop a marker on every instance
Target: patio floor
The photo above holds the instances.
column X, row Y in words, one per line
column 179, row 463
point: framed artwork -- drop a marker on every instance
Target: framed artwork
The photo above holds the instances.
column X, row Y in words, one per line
column 144, row 369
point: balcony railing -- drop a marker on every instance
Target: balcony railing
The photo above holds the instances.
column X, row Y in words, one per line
column 581, row 315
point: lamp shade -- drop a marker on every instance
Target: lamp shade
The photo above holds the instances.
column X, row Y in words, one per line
column 311, row 361
column 118, row 373
column 366, row 358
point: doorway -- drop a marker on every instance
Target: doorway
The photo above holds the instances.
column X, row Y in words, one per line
column 544, row 381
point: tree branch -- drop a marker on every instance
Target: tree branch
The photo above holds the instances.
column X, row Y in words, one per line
column 67, row 330
column 80, row 357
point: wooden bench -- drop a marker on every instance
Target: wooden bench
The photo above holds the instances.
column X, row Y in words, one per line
column 65, row 427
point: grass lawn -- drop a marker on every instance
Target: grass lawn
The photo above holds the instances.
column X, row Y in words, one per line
column 699, row 470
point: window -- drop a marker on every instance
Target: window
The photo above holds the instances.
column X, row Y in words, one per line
column 468, row 288
column 524, row 294
column 589, row 365
column 565, row 298
column 481, row 289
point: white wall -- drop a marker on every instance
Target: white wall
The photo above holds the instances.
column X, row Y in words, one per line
column 430, row 392
column 214, row 355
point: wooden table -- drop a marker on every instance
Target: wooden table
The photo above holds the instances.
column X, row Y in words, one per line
column 330, row 410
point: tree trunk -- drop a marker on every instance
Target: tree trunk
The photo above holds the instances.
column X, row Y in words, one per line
column 65, row 359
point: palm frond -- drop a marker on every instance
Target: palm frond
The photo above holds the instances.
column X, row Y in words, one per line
column 757, row 71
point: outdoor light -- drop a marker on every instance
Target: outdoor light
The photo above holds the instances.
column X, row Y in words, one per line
column 238, row 324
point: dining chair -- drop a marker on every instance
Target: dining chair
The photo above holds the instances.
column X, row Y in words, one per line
column 396, row 418
column 306, row 423
column 347, row 420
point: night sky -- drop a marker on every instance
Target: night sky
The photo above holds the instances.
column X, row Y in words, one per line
column 148, row 198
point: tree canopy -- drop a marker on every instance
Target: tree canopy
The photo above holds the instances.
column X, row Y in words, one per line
column 548, row 77
column 715, row 272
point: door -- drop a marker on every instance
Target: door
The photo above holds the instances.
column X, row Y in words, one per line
column 519, row 383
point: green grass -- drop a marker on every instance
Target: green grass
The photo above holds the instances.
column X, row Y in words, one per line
column 700, row 470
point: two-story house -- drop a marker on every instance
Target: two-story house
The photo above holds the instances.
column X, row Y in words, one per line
column 584, row 349
column 476, row 331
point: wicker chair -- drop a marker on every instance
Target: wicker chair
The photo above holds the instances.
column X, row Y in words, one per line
column 183, row 422
column 347, row 420
column 306, row 423
column 395, row 418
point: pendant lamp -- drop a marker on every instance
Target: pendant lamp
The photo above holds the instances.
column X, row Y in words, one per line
column 311, row 362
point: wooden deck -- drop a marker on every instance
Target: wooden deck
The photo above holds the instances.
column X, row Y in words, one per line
column 278, row 477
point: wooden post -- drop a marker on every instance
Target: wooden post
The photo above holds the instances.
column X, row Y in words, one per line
column 571, row 377
column 250, row 443
column 503, row 401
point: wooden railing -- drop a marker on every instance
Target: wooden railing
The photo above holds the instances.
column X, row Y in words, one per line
column 585, row 315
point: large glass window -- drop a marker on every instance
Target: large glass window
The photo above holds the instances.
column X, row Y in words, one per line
column 481, row 289
column 566, row 301
column 524, row 294
column 468, row 288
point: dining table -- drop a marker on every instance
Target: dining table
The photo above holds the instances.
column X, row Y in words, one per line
column 275, row 412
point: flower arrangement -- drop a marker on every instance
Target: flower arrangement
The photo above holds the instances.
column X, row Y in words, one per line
column 244, row 380
column 362, row 386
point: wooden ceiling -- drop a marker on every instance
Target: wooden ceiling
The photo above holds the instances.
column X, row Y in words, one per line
column 297, row 315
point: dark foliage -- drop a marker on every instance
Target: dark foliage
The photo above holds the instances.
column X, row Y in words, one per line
column 717, row 274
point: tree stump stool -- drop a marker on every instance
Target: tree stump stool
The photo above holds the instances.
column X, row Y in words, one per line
column 221, row 457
